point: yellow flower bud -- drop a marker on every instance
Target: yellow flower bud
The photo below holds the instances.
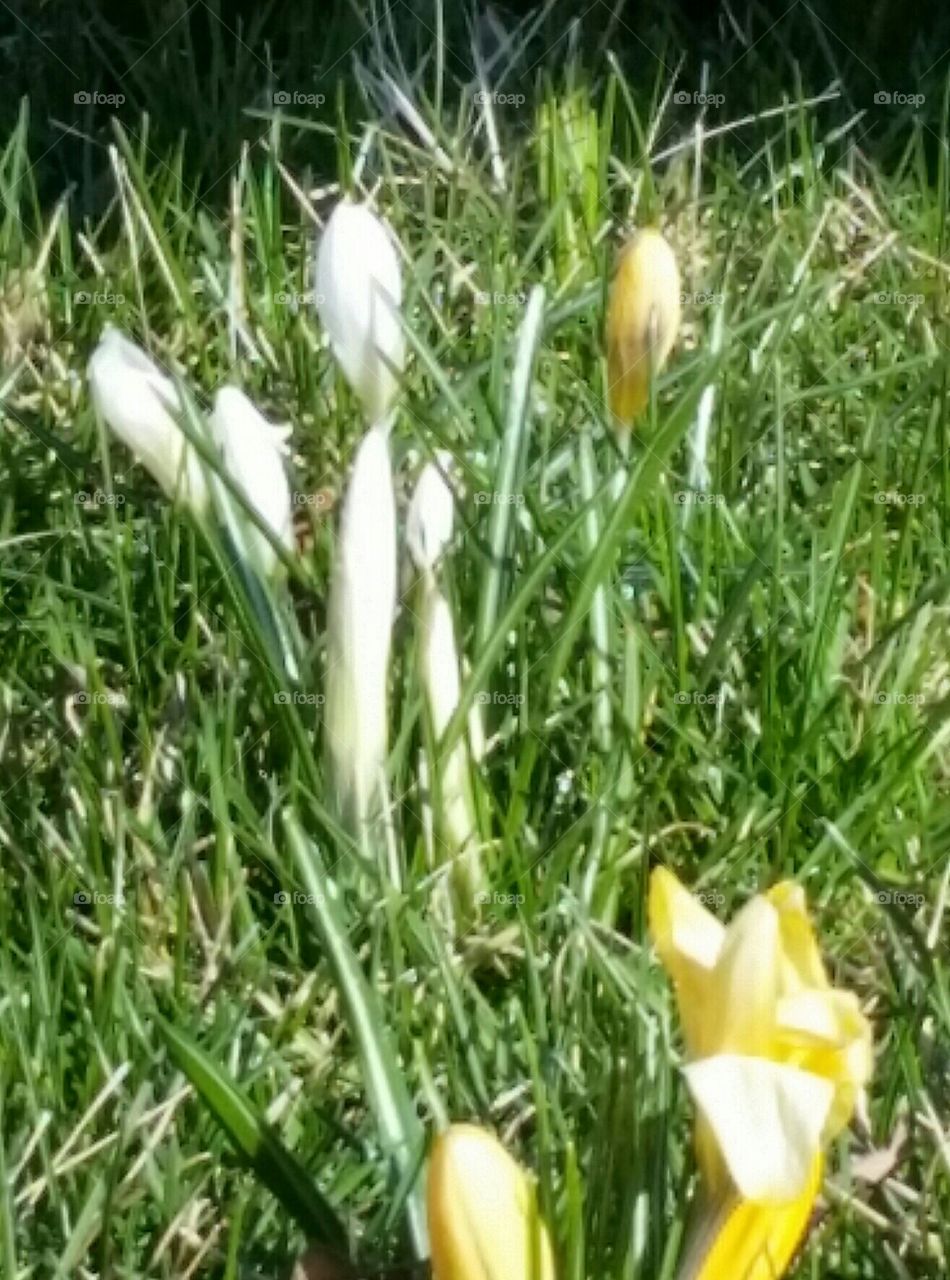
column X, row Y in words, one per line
column 483, row 1222
column 642, row 321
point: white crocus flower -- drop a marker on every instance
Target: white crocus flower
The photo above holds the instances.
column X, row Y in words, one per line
column 141, row 406
column 362, row 604
column 428, row 533
column 252, row 450
column 359, row 293
column 431, row 514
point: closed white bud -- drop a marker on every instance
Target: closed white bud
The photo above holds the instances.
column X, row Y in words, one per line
column 428, row 533
column 431, row 513
column 440, row 674
column 359, row 293
column 252, row 450
column 362, row 604
column 141, row 405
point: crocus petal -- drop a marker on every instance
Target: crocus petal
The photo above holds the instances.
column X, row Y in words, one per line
column 739, row 1016
column 428, row 532
column 252, row 450
column 362, row 604
column 803, row 964
column 442, row 683
column 642, row 321
column 826, row 1033
column 140, row 405
column 431, row 514
column 359, row 293
column 688, row 939
column 766, row 1118
column 742, row 1240
column 483, row 1224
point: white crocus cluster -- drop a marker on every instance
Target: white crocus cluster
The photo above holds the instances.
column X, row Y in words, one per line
column 142, row 406
column 428, row 533
column 359, row 293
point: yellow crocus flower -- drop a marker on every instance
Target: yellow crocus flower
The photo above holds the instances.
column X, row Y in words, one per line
column 643, row 318
column 777, row 1059
column 483, row 1221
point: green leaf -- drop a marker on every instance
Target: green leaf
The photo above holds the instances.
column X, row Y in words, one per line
column 279, row 1170
column 400, row 1130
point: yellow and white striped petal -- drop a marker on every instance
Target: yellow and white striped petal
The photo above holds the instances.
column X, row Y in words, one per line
column 688, row 939
column 767, row 1121
column 740, row 1240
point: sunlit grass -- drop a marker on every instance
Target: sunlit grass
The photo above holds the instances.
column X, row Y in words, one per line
column 770, row 587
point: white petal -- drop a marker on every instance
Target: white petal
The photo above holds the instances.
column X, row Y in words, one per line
column 139, row 403
column 362, row 604
column 252, row 451
column 359, row 293
column 440, row 660
column 442, row 680
column 815, row 1014
column 766, row 1118
column 431, row 514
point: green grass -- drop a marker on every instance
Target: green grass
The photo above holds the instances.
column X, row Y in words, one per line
column 769, row 699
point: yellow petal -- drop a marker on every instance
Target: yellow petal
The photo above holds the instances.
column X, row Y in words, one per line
column 741, row 1240
column 482, row 1219
column 766, row 1119
column 740, row 1011
column 825, row 1032
column 804, row 967
column 688, row 940
column 642, row 321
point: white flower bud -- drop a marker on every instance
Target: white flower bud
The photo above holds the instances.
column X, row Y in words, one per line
column 362, row 604
column 252, row 450
column 359, row 293
column 140, row 404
